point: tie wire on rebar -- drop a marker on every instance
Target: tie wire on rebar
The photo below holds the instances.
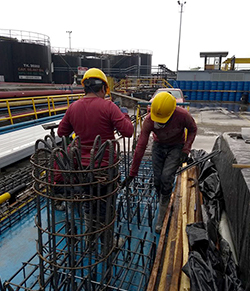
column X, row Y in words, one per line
column 82, row 239
column 66, row 259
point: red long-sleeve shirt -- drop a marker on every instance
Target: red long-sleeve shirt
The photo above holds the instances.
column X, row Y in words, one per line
column 173, row 133
column 92, row 116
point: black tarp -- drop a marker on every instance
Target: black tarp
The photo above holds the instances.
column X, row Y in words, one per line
column 210, row 266
column 235, row 185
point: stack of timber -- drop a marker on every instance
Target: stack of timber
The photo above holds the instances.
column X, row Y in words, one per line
column 173, row 248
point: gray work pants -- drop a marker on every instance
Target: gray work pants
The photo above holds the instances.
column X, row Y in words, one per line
column 166, row 160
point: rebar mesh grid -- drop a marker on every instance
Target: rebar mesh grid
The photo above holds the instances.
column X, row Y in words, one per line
column 131, row 265
column 21, row 201
column 72, row 257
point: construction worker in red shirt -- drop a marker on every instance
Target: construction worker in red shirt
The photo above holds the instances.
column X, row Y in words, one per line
column 170, row 147
column 93, row 115
column 90, row 116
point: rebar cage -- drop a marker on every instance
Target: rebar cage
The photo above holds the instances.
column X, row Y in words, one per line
column 91, row 234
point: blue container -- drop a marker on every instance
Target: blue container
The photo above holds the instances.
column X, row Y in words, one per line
column 194, row 85
column 207, row 85
column 212, row 96
column 227, row 85
column 220, row 86
column 188, row 85
column 182, row 85
column 233, row 86
column 199, row 95
column 200, row 85
column 225, row 95
column 232, row 96
column 238, row 96
column 240, row 86
column 239, row 92
column 193, row 95
column 205, row 95
column 218, row 95
column 246, row 86
column 214, row 85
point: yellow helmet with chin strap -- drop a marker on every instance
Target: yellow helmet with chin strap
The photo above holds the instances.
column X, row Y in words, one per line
column 163, row 106
column 96, row 74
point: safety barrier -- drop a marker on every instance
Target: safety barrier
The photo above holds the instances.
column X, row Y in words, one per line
column 33, row 107
column 225, row 91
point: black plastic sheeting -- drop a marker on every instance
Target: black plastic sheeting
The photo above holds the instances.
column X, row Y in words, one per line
column 210, row 265
column 235, row 184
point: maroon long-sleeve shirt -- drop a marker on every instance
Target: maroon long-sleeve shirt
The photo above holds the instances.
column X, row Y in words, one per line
column 172, row 134
column 92, row 116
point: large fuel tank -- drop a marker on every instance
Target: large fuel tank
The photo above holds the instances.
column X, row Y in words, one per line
column 27, row 57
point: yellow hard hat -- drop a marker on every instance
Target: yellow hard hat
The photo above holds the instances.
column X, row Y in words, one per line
column 163, row 106
column 98, row 74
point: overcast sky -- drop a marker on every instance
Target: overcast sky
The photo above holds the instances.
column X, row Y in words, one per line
column 207, row 25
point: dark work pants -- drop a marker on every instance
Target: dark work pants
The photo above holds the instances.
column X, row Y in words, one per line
column 166, row 160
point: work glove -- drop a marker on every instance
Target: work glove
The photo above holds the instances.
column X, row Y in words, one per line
column 124, row 109
column 126, row 181
column 183, row 158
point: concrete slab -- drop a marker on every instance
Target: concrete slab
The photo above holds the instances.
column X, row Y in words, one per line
column 204, row 142
column 20, row 144
column 213, row 123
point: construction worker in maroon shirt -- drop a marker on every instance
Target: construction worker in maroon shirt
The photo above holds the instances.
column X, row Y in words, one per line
column 92, row 115
column 170, row 146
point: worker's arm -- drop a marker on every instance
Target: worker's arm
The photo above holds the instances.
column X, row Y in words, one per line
column 191, row 133
column 141, row 146
column 121, row 121
column 65, row 128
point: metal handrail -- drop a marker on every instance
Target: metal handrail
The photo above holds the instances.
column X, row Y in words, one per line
column 24, row 36
column 124, row 84
column 48, row 103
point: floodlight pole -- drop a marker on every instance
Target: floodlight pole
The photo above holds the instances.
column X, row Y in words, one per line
column 181, row 4
column 69, row 32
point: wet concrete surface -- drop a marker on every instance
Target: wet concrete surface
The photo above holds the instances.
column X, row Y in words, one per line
column 214, row 121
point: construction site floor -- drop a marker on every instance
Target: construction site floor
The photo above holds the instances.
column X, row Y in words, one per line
column 17, row 244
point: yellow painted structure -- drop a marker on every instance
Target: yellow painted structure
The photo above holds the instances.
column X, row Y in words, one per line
column 49, row 107
column 137, row 84
column 4, row 197
column 229, row 63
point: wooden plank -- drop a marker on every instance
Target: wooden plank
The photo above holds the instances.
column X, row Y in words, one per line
column 177, row 262
column 176, row 247
column 170, row 241
column 241, row 166
column 191, row 207
column 198, row 198
column 159, row 253
column 185, row 282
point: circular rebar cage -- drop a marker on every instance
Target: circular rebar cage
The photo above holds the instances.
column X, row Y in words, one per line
column 76, row 237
